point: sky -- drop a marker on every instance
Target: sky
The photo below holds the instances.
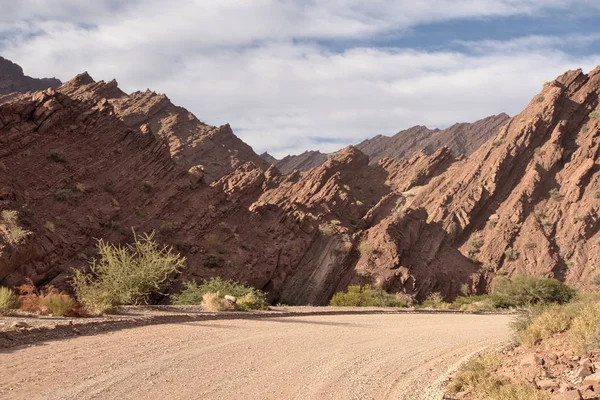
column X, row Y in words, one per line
column 291, row 76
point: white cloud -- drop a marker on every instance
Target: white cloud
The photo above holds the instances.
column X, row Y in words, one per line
column 259, row 64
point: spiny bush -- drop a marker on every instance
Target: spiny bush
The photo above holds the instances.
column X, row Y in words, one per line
column 126, row 274
column 366, row 296
column 248, row 297
column 8, row 301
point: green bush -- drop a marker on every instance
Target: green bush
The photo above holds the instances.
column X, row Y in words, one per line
column 524, row 291
column 126, row 274
column 8, row 301
column 435, row 300
column 366, row 296
column 248, row 297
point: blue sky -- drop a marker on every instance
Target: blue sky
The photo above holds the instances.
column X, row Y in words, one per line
column 295, row 75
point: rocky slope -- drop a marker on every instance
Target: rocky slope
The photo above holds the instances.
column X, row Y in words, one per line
column 89, row 161
column 528, row 200
column 12, row 79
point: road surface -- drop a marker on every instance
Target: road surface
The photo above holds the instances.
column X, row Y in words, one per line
column 374, row 356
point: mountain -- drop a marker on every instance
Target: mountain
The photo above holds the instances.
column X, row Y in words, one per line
column 462, row 139
column 89, row 161
column 12, row 79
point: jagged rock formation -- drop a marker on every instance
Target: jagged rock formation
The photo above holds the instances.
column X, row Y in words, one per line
column 88, row 161
column 461, row 139
column 12, row 79
column 269, row 158
column 527, row 202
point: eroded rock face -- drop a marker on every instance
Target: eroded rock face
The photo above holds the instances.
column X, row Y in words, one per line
column 531, row 194
column 88, row 161
column 13, row 80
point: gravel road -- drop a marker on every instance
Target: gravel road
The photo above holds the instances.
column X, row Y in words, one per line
column 373, row 356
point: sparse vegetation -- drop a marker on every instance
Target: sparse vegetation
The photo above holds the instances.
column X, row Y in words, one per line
column 62, row 194
column 595, row 115
column 147, row 186
column 555, row 195
column 59, row 304
column 8, row 301
column 14, row 232
column 491, row 224
column 584, row 129
column 539, row 99
column 50, row 226
column 479, row 378
column 57, row 156
column 475, row 244
column 3, row 166
column 248, row 298
column 435, row 300
column 365, row 248
column 80, row 187
column 511, row 254
column 366, row 296
column 597, row 195
column 525, row 291
column 498, row 142
column 126, row 274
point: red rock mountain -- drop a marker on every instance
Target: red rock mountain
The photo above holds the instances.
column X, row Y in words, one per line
column 88, row 161
column 12, row 79
column 461, row 139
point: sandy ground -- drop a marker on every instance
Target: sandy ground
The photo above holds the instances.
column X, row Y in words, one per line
column 372, row 356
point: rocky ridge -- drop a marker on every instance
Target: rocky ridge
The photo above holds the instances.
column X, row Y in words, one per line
column 13, row 80
column 89, row 161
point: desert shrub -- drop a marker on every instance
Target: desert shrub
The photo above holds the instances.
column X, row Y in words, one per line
column 479, row 378
column 95, row 299
column 475, row 244
column 365, row 248
column 584, row 129
column 248, row 297
column 57, row 156
column 523, row 291
column 62, row 194
column 498, row 143
column 539, row 99
column 127, row 274
column 80, row 187
column 511, row 254
column 595, row 115
column 59, row 304
column 435, row 300
column 14, row 232
column 8, row 301
column 147, row 186
column 555, row 195
column 585, row 329
column 596, row 280
column 50, row 226
column 366, row 296
column 30, row 299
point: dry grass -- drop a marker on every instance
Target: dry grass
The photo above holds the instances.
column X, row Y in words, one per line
column 585, row 328
column 548, row 322
column 479, row 377
column 8, row 301
column 59, row 304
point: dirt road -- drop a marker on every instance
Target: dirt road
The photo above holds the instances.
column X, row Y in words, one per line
column 376, row 356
